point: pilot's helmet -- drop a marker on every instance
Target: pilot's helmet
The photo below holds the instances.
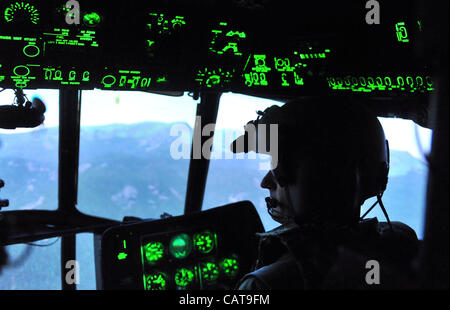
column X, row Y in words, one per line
column 329, row 128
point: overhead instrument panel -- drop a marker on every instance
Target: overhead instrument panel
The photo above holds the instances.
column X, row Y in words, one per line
column 208, row 250
column 214, row 45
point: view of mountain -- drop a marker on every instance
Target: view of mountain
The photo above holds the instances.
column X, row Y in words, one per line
column 127, row 170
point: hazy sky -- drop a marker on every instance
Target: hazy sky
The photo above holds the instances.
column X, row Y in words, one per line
column 106, row 107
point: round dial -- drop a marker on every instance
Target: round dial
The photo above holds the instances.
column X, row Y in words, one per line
column 21, row 12
column 204, row 242
column 209, row 271
column 156, row 281
column 180, row 246
column 184, row 277
column 153, row 251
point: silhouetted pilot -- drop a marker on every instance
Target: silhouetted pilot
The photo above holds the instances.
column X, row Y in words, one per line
column 331, row 156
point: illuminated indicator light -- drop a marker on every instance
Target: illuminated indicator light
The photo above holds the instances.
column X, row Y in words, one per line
column 401, row 32
column 155, row 281
column 209, row 271
column 161, row 80
column 419, row 23
column 153, row 251
column 178, row 21
column 124, row 244
column 184, row 277
column 282, row 64
column 298, row 80
column 180, row 246
column 31, row 50
column 91, row 19
column 254, row 78
column 204, row 242
column 283, row 79
column 108, row 81
column 229, row 267
column 122, row 256
column 72, row 75
column 86, row 76
column 260, row 64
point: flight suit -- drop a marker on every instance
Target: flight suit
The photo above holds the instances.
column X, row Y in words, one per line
column 321, row 257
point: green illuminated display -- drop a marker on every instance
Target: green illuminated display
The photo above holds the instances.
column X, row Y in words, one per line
column 229, row 267
column 155, row 281
column 407, row 83
column 22, row 75
column 66, row 77
column 184, row 277
column 153, row 252
column 214, row 77
column 22, row 11
column 209, row 271
column 130, row 79
column 401, row 32
column 2, row 77
column 122, row 256
column 62, row 36
column 204, row 242
column 226, row 41
column 180, row 246
column 91, row 19
column 164, row 25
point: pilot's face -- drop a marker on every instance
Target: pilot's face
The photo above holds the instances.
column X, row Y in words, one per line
column 279, row 206
column 288, row 200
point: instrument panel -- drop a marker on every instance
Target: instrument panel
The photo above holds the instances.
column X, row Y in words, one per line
column 211, row 45
column 212, row 249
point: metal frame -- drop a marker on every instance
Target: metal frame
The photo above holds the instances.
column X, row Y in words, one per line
column 198, row 167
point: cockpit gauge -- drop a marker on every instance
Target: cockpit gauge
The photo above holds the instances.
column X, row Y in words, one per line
column 212, row 78
column 21, row 12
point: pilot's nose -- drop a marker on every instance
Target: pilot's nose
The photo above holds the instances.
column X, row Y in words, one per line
column 268, row 181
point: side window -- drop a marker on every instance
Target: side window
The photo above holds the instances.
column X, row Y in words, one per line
column 236, row 177
column 405, row 195
column 29, row 167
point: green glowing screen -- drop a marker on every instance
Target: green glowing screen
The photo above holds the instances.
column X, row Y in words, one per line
column 153, row 251
column 180, row 246
column 91, row 19
column 229, row 267
column 204, row 242
column 184, row 277
column 401, row 32
column 155, row 281
column 209, row 271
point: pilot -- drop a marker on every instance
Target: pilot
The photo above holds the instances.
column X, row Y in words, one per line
column 329, row 156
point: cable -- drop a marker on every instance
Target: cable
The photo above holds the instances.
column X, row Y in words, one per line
column 370, row 209
column 43, row 245
column 384, row 211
